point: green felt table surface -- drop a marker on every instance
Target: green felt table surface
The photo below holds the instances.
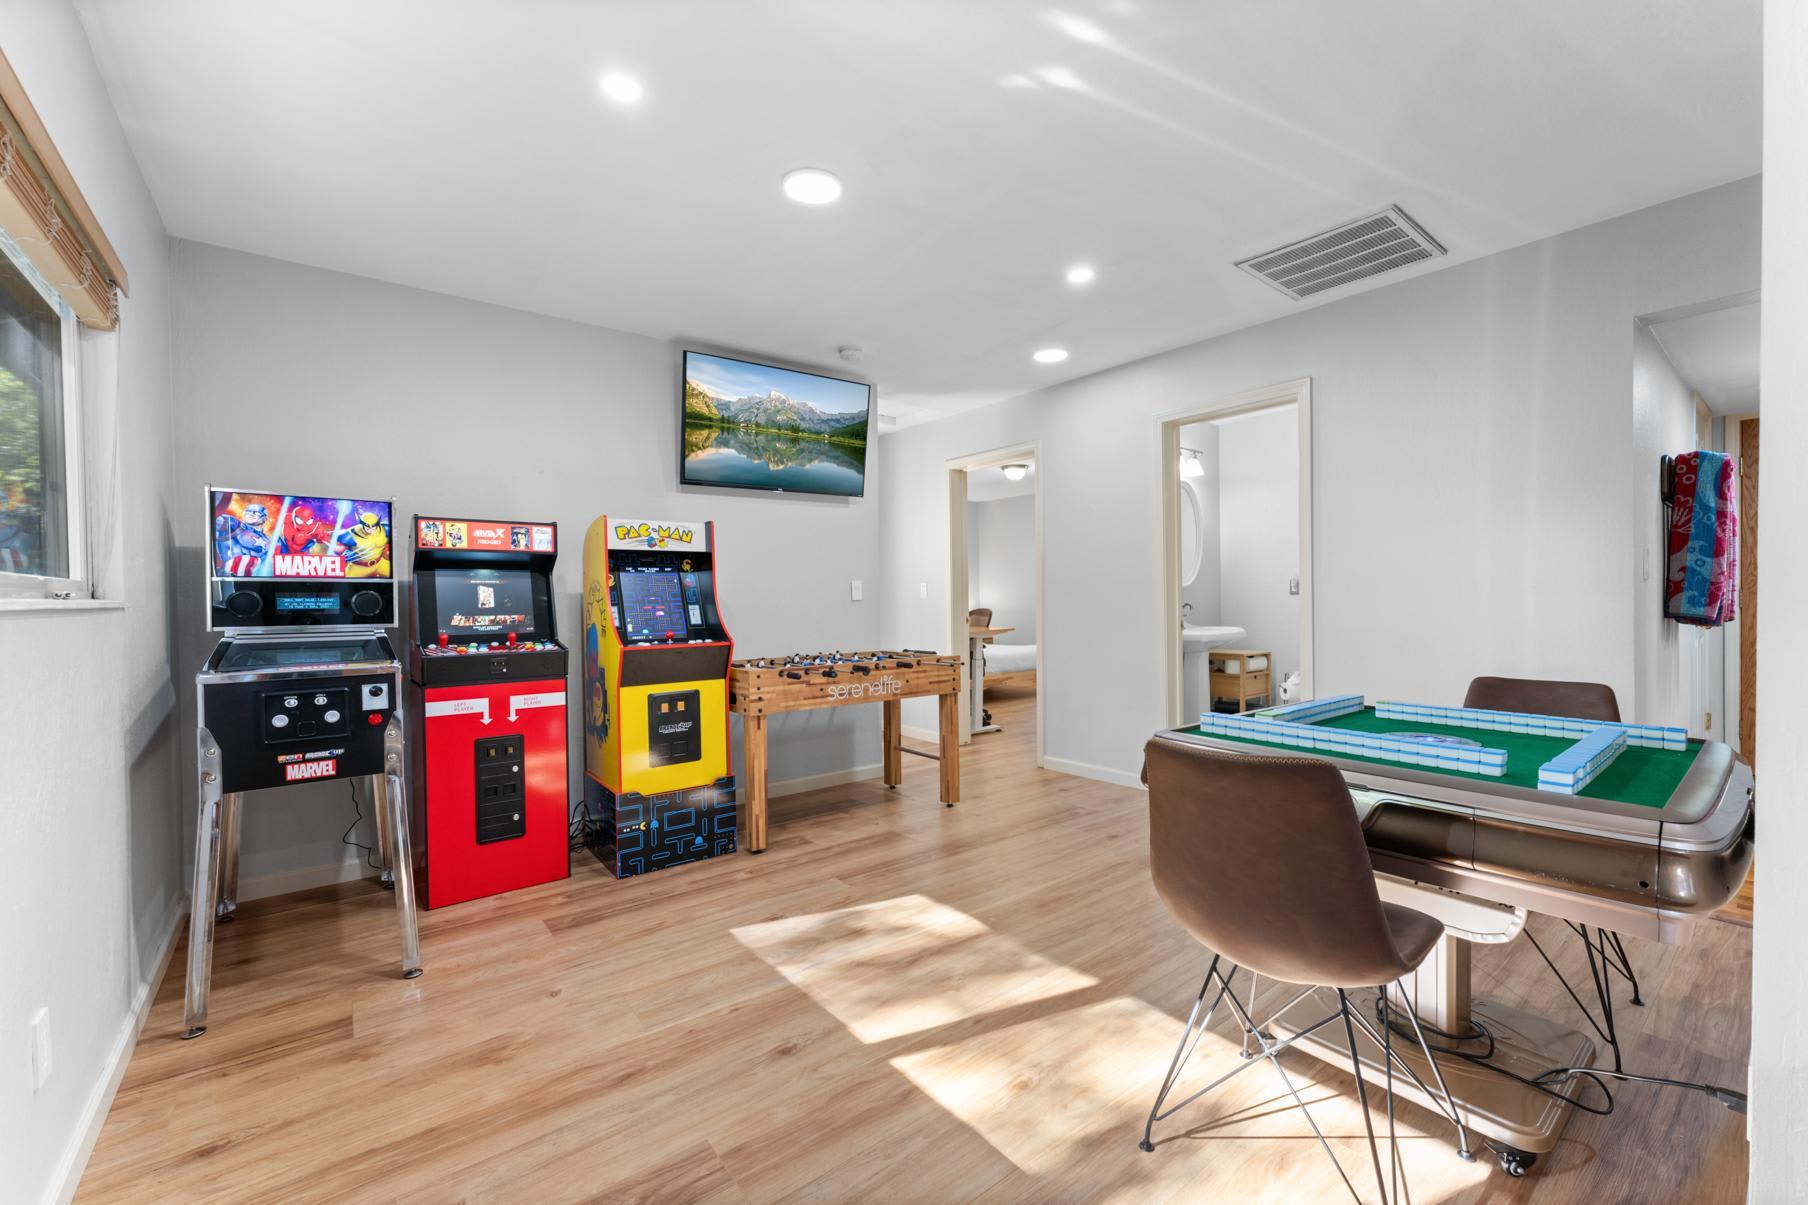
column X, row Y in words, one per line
column 1646, row 777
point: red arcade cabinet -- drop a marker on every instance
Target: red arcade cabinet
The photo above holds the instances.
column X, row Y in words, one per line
column 488, row 686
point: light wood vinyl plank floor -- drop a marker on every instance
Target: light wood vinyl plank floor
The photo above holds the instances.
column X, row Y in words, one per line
column 895, row 1002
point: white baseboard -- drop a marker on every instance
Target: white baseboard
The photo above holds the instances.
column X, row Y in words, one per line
column 815, row 782
column 351, row 869
column 1080, row 769
column 282, row 882
column 94, row 1113
column 932, row 735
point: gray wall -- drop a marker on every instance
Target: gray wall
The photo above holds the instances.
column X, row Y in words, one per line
column 1001, row 563
column 1779, row 1047
column 1258, row 491
column 90, row 884
column 1663, row 423
column 300, row 379
column 1473, row 477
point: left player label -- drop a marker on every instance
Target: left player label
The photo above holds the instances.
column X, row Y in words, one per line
column 477, row 707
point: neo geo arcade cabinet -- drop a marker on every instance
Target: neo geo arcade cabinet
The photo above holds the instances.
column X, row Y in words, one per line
column 303, row 687
column 656, row 781
column 491, row 790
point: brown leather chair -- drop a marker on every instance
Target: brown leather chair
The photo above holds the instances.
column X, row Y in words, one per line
column 1540, row 696
column 1263, row 860
column 979, row 617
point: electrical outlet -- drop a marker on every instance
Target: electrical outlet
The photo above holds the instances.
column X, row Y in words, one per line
column 40, row 1048
column 922, row 589
column 856, row 590
column 1293, row 585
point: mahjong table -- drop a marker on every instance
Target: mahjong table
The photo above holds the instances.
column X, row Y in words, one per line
column 1637, row 831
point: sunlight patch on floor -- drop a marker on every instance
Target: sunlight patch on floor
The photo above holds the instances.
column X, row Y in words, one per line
column 906, row 965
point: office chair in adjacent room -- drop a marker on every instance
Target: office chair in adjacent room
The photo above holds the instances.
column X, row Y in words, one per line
column 1262, row 859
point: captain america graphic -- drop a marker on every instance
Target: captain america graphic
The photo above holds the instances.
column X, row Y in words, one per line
column 241, row 542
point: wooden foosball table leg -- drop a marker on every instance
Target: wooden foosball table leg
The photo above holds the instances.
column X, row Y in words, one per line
column 950, row 748
column 894, row 742
column 753, row 747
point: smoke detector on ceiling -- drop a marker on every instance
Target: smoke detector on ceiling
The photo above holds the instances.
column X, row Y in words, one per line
column 850, row 352
column 1345, row 254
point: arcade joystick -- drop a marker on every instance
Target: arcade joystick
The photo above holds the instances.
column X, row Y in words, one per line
column 511, row 640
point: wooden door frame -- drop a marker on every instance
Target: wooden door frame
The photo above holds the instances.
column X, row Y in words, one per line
column 1296, row 393
column 958, row 585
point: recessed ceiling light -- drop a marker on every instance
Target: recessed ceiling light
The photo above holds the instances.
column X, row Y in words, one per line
column 622, row 89
column 1050, row 355
column 812, row 186
column 1080, row 274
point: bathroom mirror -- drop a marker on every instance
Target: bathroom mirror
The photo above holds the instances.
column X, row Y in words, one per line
column 1192, row 530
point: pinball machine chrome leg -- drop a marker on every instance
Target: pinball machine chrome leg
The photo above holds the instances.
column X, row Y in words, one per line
column 385, row 833
column 231, row 804
column 393, row 801
column 205, row 897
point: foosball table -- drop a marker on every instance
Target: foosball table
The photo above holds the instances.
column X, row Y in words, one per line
column 766, row 686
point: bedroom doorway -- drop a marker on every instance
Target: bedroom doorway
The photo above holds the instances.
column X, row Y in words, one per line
column 1236, row 521
column 995, row 596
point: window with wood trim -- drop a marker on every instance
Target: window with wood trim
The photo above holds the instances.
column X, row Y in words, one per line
column 58, row 272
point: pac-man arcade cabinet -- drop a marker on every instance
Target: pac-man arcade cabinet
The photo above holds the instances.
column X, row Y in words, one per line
column 656, row 778
column 487, row 681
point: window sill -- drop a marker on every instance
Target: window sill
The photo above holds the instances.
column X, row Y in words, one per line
column 60, row 604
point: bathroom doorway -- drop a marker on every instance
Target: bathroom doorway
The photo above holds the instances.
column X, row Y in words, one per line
column 1236, row 513
column 995, row 575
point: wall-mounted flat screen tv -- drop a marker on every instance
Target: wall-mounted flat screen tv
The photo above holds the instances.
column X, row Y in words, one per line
column 753, row 426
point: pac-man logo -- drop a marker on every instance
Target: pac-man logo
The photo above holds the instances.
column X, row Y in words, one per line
column 654, row 535
column 685, row 564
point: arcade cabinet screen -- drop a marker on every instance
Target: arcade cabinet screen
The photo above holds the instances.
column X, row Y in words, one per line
column 295, row 536
column 753, row 426
column 484, row 602
column 652, row 605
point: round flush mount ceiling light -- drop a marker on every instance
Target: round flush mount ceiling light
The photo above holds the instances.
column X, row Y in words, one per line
column 1081, row 274
column 1050, row 355
column 812, row 186
column 622, row 89
column 1014, row 472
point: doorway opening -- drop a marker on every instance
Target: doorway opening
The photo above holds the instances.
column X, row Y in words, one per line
column 995, row 596
column 1236, row 518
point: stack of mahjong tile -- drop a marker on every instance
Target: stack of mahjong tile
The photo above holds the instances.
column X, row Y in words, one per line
column 1639, row 736
column 1312, row 710
column 1578, row 765
column 1263, row 726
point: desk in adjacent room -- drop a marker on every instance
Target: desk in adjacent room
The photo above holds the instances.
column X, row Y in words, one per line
column 977, row 639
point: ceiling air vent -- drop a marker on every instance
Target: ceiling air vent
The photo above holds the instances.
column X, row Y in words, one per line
column 1344, row 255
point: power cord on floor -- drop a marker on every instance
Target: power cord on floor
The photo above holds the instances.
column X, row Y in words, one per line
column 1732, row 1099
column 357, row 819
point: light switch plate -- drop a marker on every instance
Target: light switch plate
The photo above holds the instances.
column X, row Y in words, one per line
column 856, row 590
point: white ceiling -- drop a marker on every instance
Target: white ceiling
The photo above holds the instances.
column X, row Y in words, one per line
column 462, row 146
column 1717, row 353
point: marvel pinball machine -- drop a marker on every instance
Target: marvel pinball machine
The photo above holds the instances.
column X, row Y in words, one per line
column 303, row 686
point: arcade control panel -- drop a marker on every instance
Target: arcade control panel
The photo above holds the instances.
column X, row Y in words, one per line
column 464, row 663
column 298, row 709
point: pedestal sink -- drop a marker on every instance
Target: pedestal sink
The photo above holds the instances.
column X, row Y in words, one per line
column 1195, row 639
